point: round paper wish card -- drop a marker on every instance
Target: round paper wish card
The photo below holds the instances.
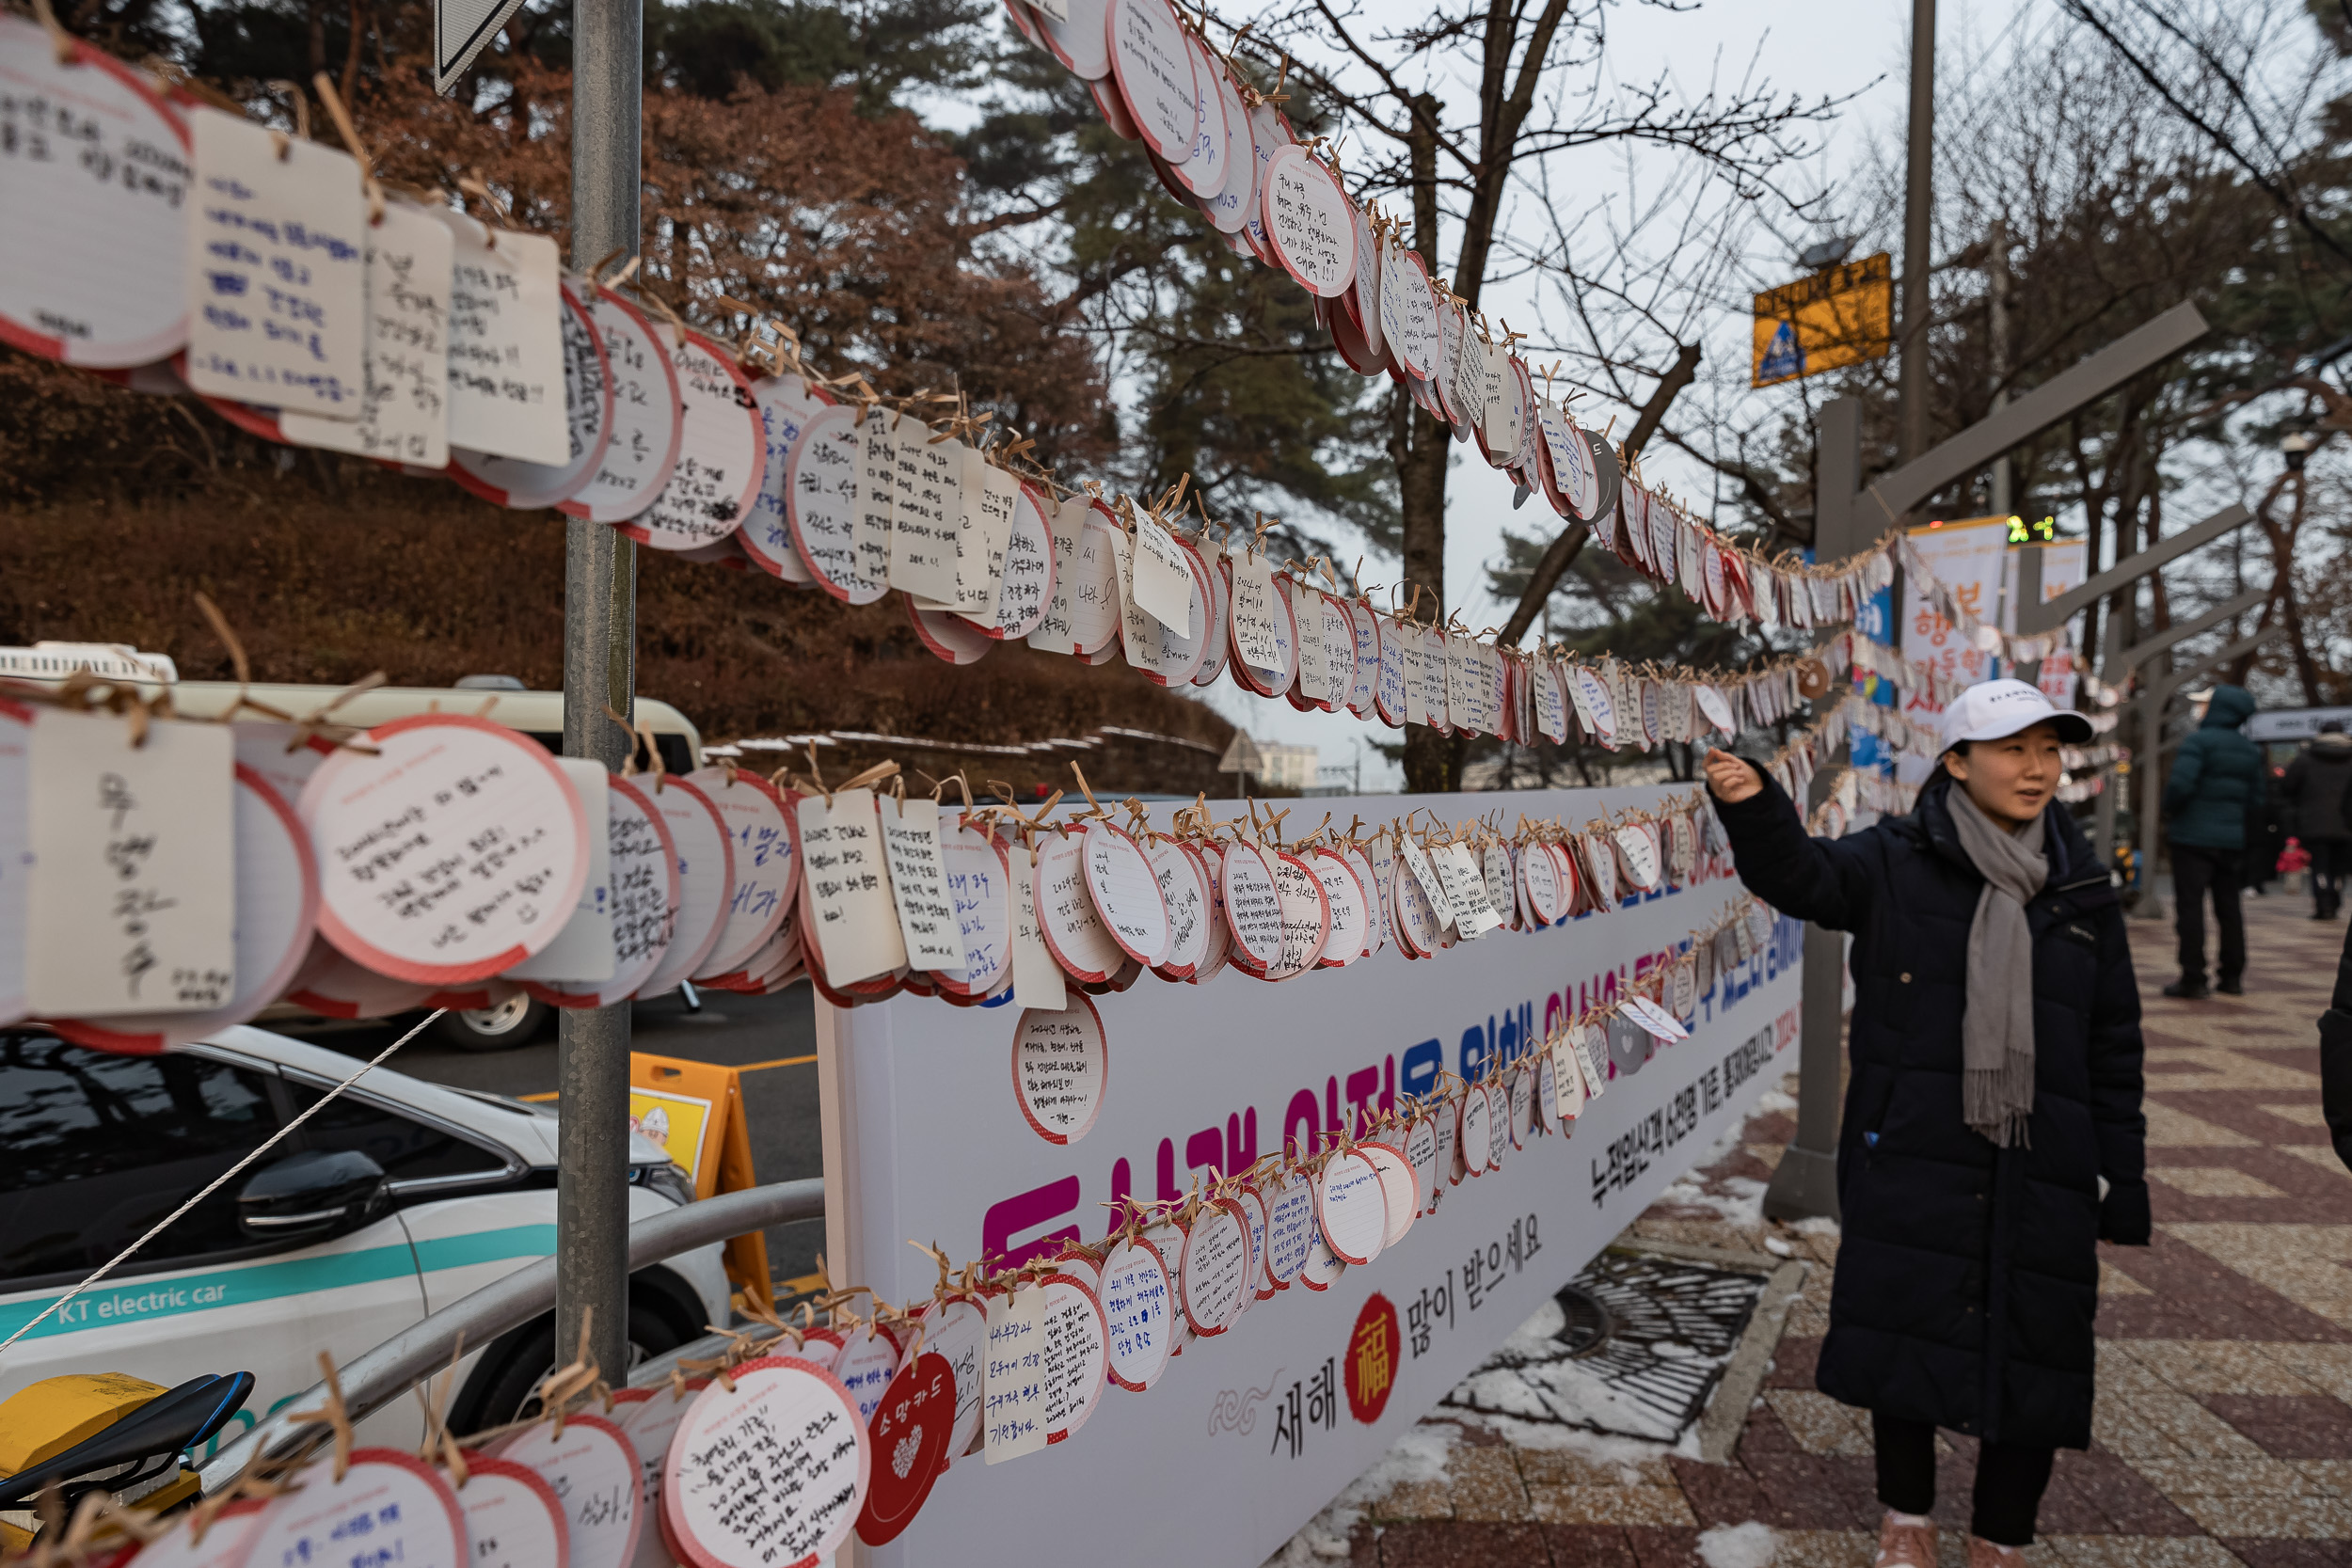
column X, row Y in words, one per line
column 1138, row 1315
column 1215, row 1273
column 1309, row 225
column 1637, row 854
column 793, row 1428
column 400, row 1504
column 1077, row 1358
column 1185, row 894
column 949, row 636
column 722, row 454
column 1421, row 1152
column 1257, row 1218
column 510, row 482
column 1153, row 68
column 1126, row 893
column 980, row 881
column 821, row 508
column 1474, row 1145
column 1348, row 934
column 226, row 1537
column 1081, row 42
column 1253, row 909
column 1352, row 1206
column 867, row 1362
column 1066, row 916
column 649, row 1417
column 1322, row 1266
column 1290, row 1231
column 956, row 1329
column 333, row 986
column 594, row 1468
column 1028, row 589
column 911, row 1430
column 1418, row 929
column 1061, row 1065
column 1523, row 1107
column 787, row 404
column 1539, row 873
column 1205, row 173
column 1306, row 915
column 277, row 907
column 647, row 424
column 514, row 1518
column 766, row 866
column 706, row 882
column 644, row 884
column 456, row 851
column 99, row 186
column 1376, row 916
column 1399, row 1186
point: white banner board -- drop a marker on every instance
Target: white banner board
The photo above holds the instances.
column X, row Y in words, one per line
column 1248, row 1435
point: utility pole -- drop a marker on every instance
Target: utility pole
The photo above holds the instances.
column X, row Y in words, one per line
column 1918, row 197
column 1997, row 334
column 599, row 674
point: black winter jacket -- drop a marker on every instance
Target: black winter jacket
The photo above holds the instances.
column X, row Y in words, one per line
column 1967, row 1276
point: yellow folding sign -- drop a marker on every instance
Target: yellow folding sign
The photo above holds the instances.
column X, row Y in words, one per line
column 694, row 1110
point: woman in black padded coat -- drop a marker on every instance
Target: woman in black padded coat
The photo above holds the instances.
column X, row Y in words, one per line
column 1993, row 1133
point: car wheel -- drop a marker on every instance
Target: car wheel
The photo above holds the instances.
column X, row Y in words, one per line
column 504, row 1392
column 514, row 1021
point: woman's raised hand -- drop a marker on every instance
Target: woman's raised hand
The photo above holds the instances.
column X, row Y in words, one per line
column 1728, row 779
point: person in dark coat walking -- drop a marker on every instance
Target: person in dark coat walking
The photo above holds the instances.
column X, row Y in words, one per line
column 1992, row 1134
column 2216, row 778
column 2314, row 788
column 2335, row 1059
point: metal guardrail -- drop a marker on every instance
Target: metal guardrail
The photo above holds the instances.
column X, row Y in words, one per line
column 374, row 1378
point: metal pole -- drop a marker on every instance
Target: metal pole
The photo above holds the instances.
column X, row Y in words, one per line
column 1996, row 241
column 1804, row 1183
column 599, row 672
column 1918, row 184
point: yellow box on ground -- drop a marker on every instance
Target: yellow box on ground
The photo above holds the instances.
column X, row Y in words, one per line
column 694, row 1110
column 1839, row 317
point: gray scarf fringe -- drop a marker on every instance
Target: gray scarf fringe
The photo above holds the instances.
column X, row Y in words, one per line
column 1997, row 1027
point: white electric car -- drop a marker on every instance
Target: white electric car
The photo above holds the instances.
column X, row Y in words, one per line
column 393, row 1202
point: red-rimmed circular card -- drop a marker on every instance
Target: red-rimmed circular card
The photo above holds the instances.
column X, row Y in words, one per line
column 1184, row 895
column 1218, row 647
column 644, row 883
column 1207, row 171
column 1214, row 1276
column 647, row 424
column 1257, row 1217
column 867, row 1362
column 1376, row 916
column 1363, row 688
column 1253, row 909
column 1637, row 854
column 706, row 881
column 1026, row 591
column 1210, row 857
column 1309, row 224
column 1139, row 1308
column 100, row 184
column 1600, row 861
column 1418, row 931
column 514, row 1519
column 956, row 1328
column 821, row 480
column 1420, row 1150
column 454, row 851
column 787, row 404
column 795, row 1423
column 722, row 453
column 1152, row 66
column 650, row 1418
column 277, row 908
column 1290, row 1231
column 949, row 636
column 1399, row 1186
column 1523, row 1125
column 1234, row 206
column 333, row 986
column 1322, row 1266
column 400, row 1505
column 1078, row 1355
column 1494, row 866
column 1306, row 916
column 1351, row 1204
column 1265, row 680
column 1473, row 1137
column 593, row 1468
column 1081, row 42
column 1126, row 893
column 1409, row 318
column 1073, row 933
column 1092, row 598
column 510, row 482
column 226, row 1536
column 980, row 880
column 911, row 1430
column 766, row 863
column 1540, row 882
column 1498, row 1139
column 1348, row 925
column 1060, row 1069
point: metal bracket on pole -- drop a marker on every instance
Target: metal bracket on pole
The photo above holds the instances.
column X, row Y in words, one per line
column 2032, row 618
column 2117, row 666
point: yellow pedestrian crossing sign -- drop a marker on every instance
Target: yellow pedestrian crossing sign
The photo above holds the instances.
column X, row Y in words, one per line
column 1838, row 317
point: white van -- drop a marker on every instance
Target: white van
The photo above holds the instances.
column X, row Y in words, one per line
column 393, row 1202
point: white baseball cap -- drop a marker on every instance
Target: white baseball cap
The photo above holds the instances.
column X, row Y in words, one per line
column 1994, row 710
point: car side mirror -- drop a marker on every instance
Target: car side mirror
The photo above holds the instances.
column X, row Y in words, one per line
column 316, row 1190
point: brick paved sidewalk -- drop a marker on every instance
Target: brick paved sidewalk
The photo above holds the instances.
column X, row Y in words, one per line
column 2223, row 1427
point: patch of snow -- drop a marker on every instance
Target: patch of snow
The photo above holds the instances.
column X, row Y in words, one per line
column 1749, row 1546
column 1820, row 1224
column 1774, row 1099
column 1741, row 1202
column 1419, row 1454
